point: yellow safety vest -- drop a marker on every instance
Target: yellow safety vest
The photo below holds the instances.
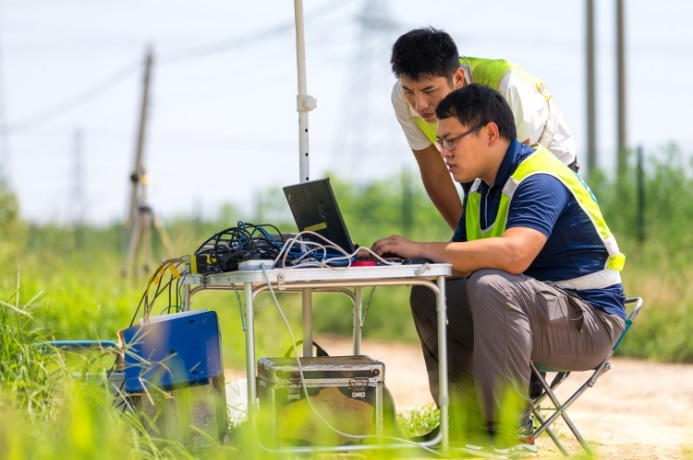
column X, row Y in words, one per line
column 488, row 72
column 544, row 162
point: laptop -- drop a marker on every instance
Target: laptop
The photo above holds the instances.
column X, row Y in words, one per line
column 315, row 209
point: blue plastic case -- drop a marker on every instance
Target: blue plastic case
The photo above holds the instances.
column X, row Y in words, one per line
column 171, row 351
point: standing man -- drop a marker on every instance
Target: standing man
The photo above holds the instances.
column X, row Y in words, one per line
column 538, row 268
column 428, row 67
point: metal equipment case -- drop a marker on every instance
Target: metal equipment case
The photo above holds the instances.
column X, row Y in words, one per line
column 346, row 392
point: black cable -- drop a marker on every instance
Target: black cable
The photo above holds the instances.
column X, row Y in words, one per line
column 159, row 289
column 144, row 300
column 225, row 249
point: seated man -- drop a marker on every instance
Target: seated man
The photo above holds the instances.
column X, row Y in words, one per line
column 538, row 271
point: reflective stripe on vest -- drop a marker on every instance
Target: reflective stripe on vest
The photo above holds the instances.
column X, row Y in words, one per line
column 543, row 162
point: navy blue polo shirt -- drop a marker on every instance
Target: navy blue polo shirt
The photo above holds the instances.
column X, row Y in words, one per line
column 541, row 202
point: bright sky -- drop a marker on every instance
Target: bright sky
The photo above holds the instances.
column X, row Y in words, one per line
column 223, row 124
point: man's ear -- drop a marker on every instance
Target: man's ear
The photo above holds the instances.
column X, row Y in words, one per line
column 458, row 80
column 490, row 133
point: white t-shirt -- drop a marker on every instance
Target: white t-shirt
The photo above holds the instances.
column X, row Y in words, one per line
column 529, row 107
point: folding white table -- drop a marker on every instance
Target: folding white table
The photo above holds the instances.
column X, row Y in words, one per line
column 349, row 281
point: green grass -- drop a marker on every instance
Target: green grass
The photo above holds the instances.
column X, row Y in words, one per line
column 57, row 403
column 59, row 283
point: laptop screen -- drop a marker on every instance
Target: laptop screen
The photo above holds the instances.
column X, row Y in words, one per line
column 315, row 209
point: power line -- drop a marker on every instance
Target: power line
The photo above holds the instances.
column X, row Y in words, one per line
column 244, row 40
column 191, row 53
column 70, row 103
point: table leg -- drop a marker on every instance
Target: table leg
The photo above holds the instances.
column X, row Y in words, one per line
column 358, row 306
column 250, row 360
column 307, row 308
column 443, row 364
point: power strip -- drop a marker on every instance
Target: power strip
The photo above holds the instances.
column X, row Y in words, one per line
column 256, row 264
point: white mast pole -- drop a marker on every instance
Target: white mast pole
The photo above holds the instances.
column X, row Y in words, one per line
column 304, row 102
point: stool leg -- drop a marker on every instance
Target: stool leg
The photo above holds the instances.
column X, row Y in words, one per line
column 550, row 432
column 577, row 434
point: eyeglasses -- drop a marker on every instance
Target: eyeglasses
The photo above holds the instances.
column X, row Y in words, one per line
column 449, row 144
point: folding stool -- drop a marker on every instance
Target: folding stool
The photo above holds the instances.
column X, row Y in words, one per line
column 559, row 408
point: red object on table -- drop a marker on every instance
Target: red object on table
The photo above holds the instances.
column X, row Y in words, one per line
column 363, row 263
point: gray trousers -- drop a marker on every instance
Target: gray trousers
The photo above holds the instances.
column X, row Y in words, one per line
column 498, row 323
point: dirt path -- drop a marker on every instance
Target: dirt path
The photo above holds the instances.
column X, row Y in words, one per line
column 639, row 409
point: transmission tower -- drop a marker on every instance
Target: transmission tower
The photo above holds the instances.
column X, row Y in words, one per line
column 361, row 138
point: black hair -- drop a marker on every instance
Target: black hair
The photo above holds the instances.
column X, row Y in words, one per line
column 424, row 53
column 474, row 105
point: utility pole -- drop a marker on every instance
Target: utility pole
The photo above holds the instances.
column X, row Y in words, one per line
column 591, row 96
column 621, row 88
column 141, row 217
column 138, row 169
column 77, row 203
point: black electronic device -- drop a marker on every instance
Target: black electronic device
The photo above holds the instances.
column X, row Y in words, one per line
column 315, row 209
column 390, row 260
